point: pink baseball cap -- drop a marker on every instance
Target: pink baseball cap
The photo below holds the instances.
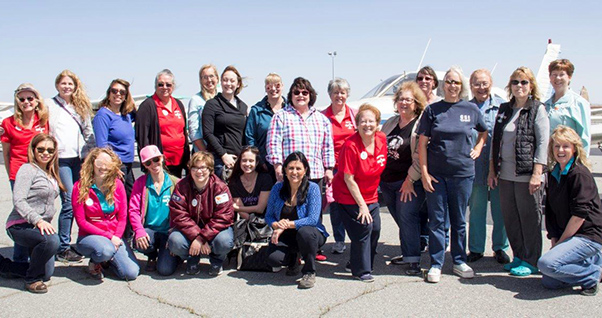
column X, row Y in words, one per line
column 149, row 152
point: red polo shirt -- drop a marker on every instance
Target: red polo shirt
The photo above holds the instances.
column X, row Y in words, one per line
column 19, row 138
column 340, row 131
column 171, row 125
column 366, row 168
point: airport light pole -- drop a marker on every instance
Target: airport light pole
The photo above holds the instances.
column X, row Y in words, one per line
column 333, row 55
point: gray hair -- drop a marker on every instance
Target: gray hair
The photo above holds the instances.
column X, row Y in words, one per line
column 165, row 72
column 339, row 83
column 465, row 91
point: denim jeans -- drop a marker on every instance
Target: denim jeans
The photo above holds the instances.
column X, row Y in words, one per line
column 42, row 250
column 364, row 237
column 69, row 173
column 477, row 230
column 20, row 253
column 407, row 217
column 100, row 249
column 305, row 241
column 221, row 245
column 166, row 263
column 449, row 200
column 574, row 262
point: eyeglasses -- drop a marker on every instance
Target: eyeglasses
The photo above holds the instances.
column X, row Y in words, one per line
column 452, row 82
column 481, row 85
column 406, row 100
column 121, row 92
column 298, row 92
column 424, row 78
column 516, row 82
column 201, row 169
column 168, row 85
column 29, row 99
column 206, row 77
column 149, row 162
column 41, row 150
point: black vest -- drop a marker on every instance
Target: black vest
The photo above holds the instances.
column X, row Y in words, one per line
column 525, row 135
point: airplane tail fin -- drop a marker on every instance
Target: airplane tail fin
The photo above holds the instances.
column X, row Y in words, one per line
column 543, row 80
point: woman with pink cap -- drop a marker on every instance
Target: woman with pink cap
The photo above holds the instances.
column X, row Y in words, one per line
column 149, row 211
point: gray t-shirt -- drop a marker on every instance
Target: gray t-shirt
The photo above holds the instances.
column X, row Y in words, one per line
column 508, row 150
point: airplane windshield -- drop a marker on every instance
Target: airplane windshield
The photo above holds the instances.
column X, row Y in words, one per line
column 376, row 91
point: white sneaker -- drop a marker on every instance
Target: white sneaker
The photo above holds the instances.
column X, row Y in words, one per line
column 463, row 271
column 338, row 248
column 434, row 275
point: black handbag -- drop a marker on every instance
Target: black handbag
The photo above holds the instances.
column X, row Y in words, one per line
column 252, row 256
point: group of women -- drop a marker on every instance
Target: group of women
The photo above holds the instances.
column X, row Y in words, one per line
column 445, row 154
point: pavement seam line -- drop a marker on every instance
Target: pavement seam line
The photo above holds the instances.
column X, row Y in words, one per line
column 165, row 302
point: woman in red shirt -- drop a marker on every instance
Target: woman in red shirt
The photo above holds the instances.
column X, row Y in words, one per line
column 361, row 162
column 30, row 119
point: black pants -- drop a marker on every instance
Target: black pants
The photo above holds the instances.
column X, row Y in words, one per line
column 176, row 171
column 42, row 250
column 128, row 178
column 364, row 237
column 305, row 241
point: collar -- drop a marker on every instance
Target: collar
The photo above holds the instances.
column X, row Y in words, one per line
column 289, row 108
column 166, row 182
column 556, row 172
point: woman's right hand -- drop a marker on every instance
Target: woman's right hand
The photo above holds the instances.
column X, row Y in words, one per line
column 45, row 227
column 142, row 243
column 278, row 171
column 364, row 215
column 407, row 189
column 492, row 180
column 117, row 242
column 427, row 182
column 229, row 160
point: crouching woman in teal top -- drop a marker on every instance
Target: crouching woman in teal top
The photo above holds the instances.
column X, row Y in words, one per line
column 149, row 212
column 294, row 214
column 573, row 217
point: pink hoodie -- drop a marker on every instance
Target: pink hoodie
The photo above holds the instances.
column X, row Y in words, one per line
column 90, row 218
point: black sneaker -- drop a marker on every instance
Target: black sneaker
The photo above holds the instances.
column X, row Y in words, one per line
column 592, row 291
column 295, row 269
column 68, row 256
column 398, row 260
column 473, row 257
column 501, row 257
column 414, row 269
column 348, row 267
column 215, row 270
column 365, row 278
column 192, row 269
column 308, row 281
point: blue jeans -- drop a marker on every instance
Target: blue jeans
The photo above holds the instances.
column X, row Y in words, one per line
column 364, row 237
column 166, row 263
column 449, row 200
column 574, row 262
column 100, row 249
column 42, row 250
column 20, row 253
column 69, row 173
column 407, row 217
column 477, row 230
column 221, row 245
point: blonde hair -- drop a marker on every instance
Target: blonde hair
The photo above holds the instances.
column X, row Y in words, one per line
column 273, row 78
column 566, row 134
column 79, row 99
column 419, row 97
column 205, row 94
column 109, row 182
column 52, row 168
column 524, row 71
column 204, row 157
column 40, row 109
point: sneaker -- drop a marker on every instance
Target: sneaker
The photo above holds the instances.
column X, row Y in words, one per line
column 95, row 270
column 338, row 248
column 463, row 270
column 294, row 269
column 424, row 245
column 366, row 278
column 308, row 281
column 151, row 265
column 348, row 267
column 473, row 257
column 434, row 275
column 515, row 262
column 592, row 291
column 68, row 256
column 215, row 270
column 398, row 260
column 192, row 269
column 414, row 269
column 501, row 257
column 320, row 257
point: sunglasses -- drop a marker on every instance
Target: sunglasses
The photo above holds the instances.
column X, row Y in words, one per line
column 149, row 162
column 298, row 92
column 165, row 85
column 452, row 82
column 121, row 92
column 29, row 99
column 43, row 150
column 516, row 82
column 424, row 78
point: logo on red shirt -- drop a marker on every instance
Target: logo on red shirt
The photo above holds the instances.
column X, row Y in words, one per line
column 381, row 159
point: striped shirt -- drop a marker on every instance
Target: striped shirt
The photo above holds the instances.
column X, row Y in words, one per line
column 290, row 132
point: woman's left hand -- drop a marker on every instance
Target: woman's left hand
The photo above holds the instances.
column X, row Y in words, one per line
column 45, row 227
column 364, row 215
column 117, row 242
column 475, row 152
column 229, row 160
column 276, row 235
column 407, row 189
column 534, row 184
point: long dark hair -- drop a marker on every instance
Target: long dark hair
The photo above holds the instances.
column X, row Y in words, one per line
column 285, row 192
column 237, row 170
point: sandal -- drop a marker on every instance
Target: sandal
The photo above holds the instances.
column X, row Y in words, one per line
column 36, row 287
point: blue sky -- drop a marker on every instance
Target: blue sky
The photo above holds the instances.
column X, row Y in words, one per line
column 134, row 40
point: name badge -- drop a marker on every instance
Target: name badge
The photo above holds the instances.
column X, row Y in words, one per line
column 364, row 155
column 89, row 202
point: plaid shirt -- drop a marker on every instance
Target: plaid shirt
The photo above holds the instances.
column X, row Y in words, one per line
column 289, row 132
